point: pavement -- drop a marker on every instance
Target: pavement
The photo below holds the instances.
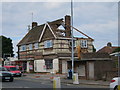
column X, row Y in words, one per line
column 63, row 78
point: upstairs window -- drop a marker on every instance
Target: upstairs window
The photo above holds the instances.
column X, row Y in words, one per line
column 74, row 43
column 36, row 46
column 23, row 48
column 83, row 43
column 48, row 44
column 30, row 47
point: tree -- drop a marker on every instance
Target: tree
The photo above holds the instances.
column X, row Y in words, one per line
column 6, row 47
column 94, row 49
column 116, row 50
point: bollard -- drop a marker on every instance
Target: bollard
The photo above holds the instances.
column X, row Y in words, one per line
column 56, row 83
column 75, row 78
column 118, row 87
column 118, row 84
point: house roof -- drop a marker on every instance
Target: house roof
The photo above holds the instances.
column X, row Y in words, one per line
column 95, row 55
column 36, row 33
column 107, row 49
column 32, row 36
column 88, row 56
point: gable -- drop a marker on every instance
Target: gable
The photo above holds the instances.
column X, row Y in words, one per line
column 47, row 34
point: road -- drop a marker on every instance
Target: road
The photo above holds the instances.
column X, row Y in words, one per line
column 27, row 83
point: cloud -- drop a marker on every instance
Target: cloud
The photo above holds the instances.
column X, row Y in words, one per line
column 98, row 20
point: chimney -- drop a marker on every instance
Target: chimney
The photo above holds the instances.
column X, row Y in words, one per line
column 109, row 44
column 67, row 25
column 34, row 24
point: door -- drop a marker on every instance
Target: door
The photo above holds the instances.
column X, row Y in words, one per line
column 91, row 70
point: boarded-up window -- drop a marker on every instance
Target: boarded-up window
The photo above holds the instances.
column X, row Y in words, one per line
column 81, row 70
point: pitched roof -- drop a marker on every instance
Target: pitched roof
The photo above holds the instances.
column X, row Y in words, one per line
column 35, row 34
column 32, row 36
column 107, row 49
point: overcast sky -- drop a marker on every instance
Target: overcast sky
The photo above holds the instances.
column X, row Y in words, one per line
column 98, row 20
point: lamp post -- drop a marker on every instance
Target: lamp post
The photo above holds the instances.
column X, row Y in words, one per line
column 119, row 65
column 72, row 37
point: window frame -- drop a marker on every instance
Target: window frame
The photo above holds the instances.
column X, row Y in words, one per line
column 30, row 47
column 84, row 43
column 36, row 45
column 48, row 44
column 23, row 48
column 49, row 63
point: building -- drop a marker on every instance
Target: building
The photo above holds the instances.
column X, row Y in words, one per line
column 108, row 49
column 47, row 47
column 113, row 51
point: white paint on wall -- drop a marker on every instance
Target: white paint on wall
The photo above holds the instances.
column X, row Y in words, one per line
column 64, row 66
column 39, row 65
column 55, row 65
column 28, row 63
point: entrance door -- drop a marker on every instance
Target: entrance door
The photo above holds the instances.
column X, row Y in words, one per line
column 91, row 70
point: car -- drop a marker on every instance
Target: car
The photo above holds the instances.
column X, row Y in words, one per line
column 14, row 70
column 6, row 75
column 115, row 82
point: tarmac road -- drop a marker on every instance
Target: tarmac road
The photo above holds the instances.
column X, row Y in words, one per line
column 27, row 83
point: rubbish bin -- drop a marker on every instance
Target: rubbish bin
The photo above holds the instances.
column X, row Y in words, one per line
column 69, row 74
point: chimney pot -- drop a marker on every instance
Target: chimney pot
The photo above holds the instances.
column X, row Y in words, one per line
column 34, row 24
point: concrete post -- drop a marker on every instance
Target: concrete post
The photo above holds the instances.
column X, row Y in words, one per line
column 75, row 78
column 28, row 70
column 56, row 83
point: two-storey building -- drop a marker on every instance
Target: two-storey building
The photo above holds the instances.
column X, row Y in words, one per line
column 47, row 47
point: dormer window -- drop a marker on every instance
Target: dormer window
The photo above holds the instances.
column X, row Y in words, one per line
column 48, row 44
column 83, row 43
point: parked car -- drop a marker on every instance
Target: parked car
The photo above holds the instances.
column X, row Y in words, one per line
column 6, row 75
column 114, row 83
column 14, row 70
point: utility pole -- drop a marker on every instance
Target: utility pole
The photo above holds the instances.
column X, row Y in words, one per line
column 72, row 37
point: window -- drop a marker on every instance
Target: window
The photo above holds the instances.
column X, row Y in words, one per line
column 83, row 43
column 48, row 44
column 36, row 46
column 30, row 46
column 23, row 48
column 49, row 64
column 74, row 44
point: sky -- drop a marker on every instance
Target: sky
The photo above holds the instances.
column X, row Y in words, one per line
column 99, row 20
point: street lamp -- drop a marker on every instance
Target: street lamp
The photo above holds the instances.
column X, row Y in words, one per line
column 118, row 65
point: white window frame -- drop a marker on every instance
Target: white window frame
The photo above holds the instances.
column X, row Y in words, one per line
column 30, row 46
column 48, row 44
column 23, row 48
column 84, row 43
column 74, row 43
column 36, row 45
